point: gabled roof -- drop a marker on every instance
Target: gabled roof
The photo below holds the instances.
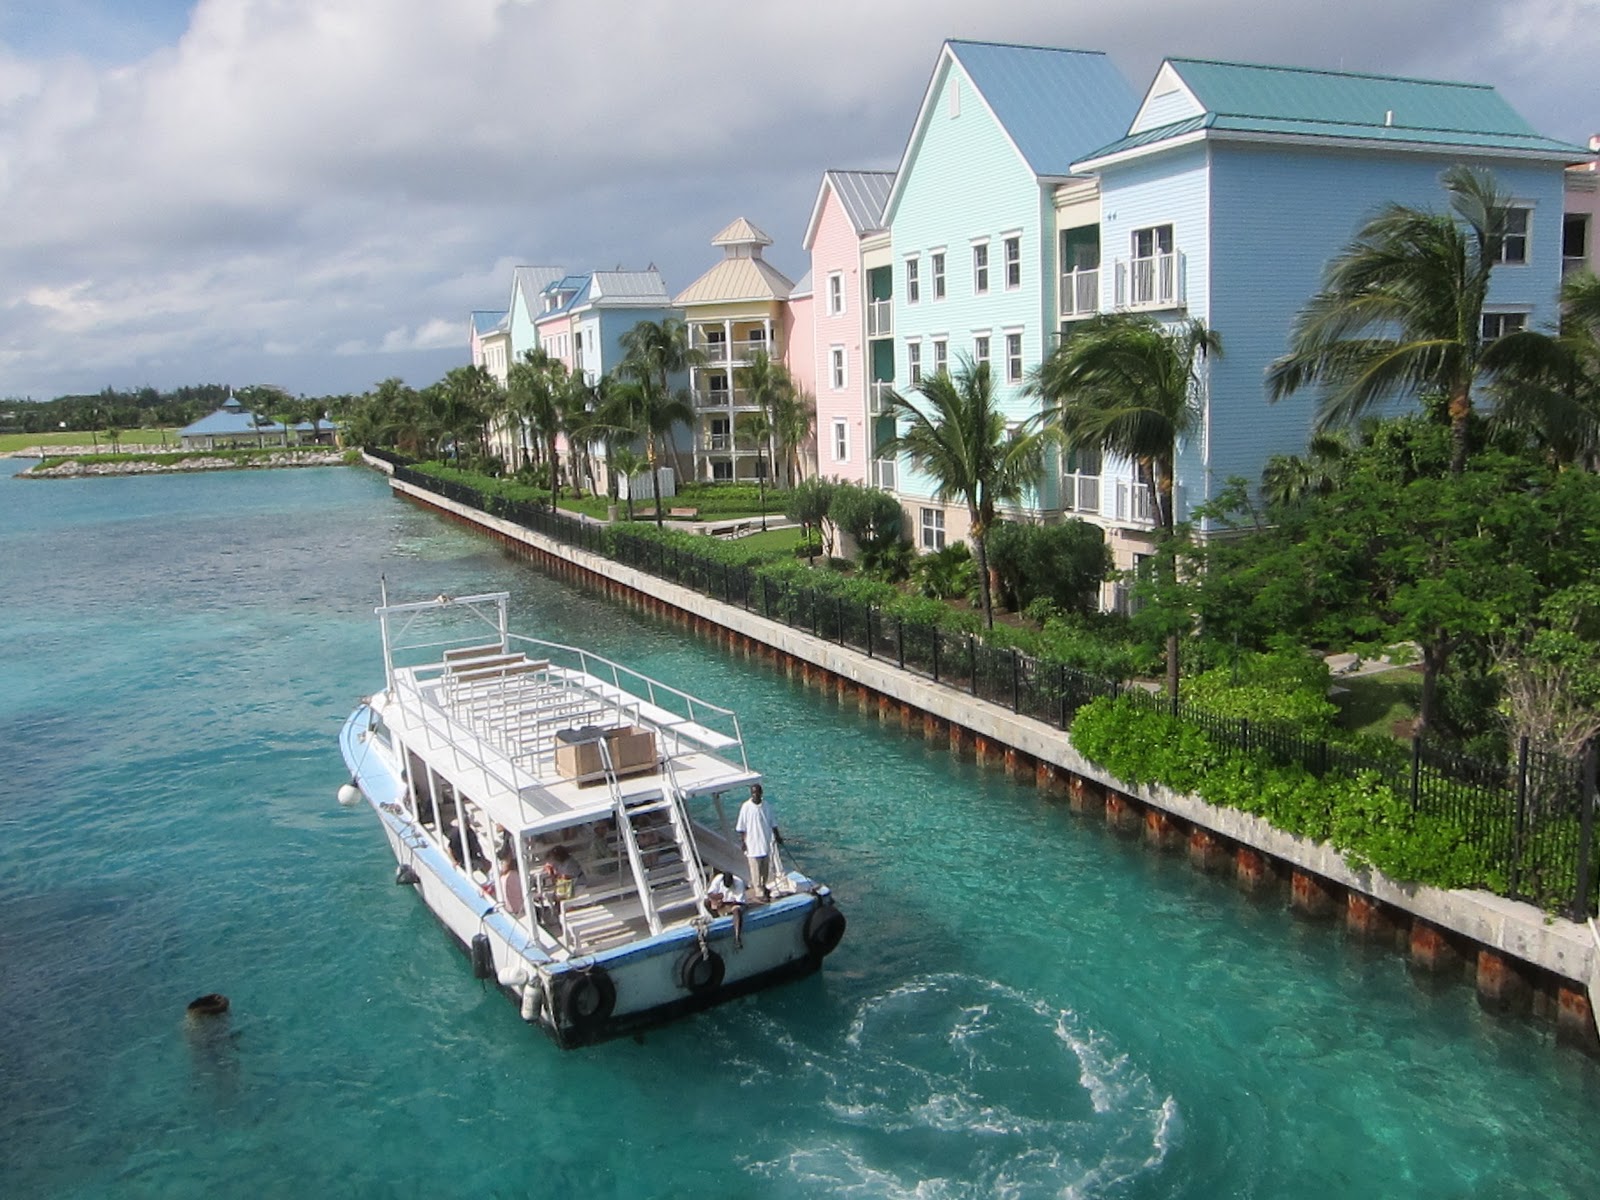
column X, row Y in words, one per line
column 1247, row 100
column 1053, row 105
column 628, row 289
column 861, row 194
column 529, row 282
column 803, row 288
column 576, row 289
column 485, row 320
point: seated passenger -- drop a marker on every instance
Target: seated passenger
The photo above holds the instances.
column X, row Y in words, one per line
column 508, row 888
column 561, row 874
column 725, row 897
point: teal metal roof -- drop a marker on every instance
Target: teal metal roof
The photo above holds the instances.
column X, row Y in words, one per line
column 1245, row 98
column 1055, row 104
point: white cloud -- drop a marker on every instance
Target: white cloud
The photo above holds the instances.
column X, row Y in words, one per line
column 318, row 180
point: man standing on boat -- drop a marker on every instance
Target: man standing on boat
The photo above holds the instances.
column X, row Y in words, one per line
column 758, row 835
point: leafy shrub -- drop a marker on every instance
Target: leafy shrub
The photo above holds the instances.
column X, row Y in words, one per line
column 1064, row 563
column 947, row 574
column 1362, row 817
column 1286, row 685
column 871, row 517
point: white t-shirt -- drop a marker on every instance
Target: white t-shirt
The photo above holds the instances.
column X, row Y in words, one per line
column 726, row 887
column 755, row 823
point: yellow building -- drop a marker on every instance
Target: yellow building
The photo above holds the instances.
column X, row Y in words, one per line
column 737, row 309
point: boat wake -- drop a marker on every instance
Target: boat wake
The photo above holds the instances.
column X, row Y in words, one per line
column 954, row 1086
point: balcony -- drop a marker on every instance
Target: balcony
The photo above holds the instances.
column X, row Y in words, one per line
column 719, row 353
column 1150, row 282
column 721, row 397
column 1134, row 504
column 880, row 318
column 878, row 394
column 1080, row 292
column 883, row 473
column 1081, row 493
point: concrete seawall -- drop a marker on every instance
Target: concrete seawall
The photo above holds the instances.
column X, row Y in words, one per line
column 1521, row 960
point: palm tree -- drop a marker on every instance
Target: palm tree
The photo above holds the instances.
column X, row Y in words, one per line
column 1289, row 478
column 661, row 349
column 759, row 426
column 1400, row 313
column 624, row 463
column 1559, row 405
column 958, row 435
column 639, row 406
column 1128, row 385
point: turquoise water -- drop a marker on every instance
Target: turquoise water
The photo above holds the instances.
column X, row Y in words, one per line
column 1026, row 1005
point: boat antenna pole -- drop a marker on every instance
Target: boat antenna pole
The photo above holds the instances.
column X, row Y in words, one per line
column 383, row 629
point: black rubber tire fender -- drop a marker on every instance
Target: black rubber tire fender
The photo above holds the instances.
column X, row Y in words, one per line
column 700, row 971
column 824, row 929
column 586, row 999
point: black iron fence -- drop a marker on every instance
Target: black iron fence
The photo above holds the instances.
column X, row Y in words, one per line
column 1533, row 818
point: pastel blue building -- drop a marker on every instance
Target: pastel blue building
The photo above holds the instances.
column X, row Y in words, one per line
column 1222, row 195
column 1232, row 188
column 972, row 228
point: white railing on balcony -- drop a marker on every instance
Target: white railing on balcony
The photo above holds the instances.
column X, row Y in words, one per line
column 1080, row 493
column 716, row 397
column 1080, row 292
column 883, row 475
column 878, row 394
column 880, row 318
column 1134, row 503
column 1151, row 282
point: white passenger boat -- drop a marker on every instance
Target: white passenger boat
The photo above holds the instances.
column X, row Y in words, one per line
column 563, row 816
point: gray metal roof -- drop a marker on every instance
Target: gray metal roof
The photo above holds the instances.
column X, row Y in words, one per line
column 628, row 288
column 531, row 281
column 862, row 195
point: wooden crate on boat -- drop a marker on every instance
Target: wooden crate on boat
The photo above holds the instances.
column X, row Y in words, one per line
column 632, row 748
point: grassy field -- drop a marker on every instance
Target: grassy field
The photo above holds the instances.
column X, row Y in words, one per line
column 1378, row 703
column 10, row 443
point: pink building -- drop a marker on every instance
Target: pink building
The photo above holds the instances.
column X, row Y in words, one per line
column 1582, row 216
column 800, row 356
column 852, row 328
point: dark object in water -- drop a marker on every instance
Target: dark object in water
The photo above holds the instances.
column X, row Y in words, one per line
column 212, row 1004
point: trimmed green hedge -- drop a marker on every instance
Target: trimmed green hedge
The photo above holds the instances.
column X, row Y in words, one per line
column 1362, row 817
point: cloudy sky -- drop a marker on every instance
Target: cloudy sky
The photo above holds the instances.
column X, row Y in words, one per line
column 315, row 193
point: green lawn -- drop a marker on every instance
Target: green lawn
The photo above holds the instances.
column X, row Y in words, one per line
column 1376, row 703
column 12, row 442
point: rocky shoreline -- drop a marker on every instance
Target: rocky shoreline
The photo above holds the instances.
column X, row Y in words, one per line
column 75, row 469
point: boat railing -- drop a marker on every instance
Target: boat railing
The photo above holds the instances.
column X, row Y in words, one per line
column 643, row 700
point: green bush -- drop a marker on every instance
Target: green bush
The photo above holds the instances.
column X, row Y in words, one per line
column 1063, row 563
column 1285, row 685
column 1362, row 817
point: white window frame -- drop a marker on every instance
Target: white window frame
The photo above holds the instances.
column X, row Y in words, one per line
column 1011, row 252
column 1013, row 356
column 982, row 345
column 914, row 362
column 980, row 268
column 841, row 440
column 931, row 526
column 913, row 279
column 1521, row 238
column 941, row 356
column 836, row 293
column 838, row 368
column 936, row 270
